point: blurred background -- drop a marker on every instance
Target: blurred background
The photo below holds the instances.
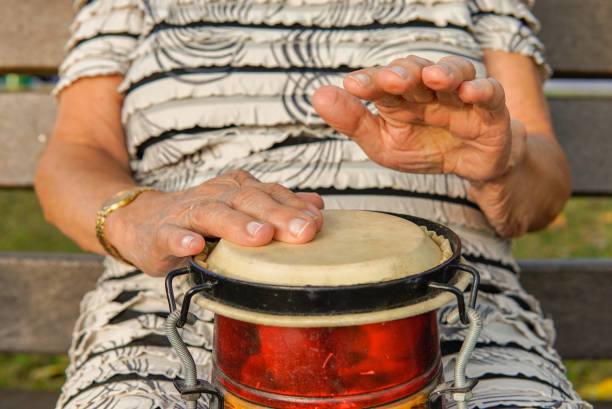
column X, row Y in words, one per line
column 583, row 230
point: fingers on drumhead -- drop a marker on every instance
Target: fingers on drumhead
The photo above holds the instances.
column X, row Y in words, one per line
column 294, row 220
column 213, row 218
column 288, row 198
column 271, row 203
column 179, row 242
column 250, row 217
column 313, row 198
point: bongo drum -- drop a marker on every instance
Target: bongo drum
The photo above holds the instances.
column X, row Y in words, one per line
column 345, row 321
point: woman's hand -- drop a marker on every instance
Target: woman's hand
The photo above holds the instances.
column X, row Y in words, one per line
column 437, row 118
column 158, row 230
column 432, row 118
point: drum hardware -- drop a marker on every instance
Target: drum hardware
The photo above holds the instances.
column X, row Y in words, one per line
column 207, row 282
column 191, row 387
column 460, row 389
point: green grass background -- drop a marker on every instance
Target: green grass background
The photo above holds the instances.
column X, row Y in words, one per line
column 584, row 229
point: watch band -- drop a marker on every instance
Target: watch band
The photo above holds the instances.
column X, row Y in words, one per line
column 117, row 201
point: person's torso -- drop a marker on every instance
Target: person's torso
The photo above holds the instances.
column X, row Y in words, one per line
column 221, row 85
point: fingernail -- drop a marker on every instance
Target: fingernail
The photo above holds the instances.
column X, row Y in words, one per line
column 311, row 214
column 398, row 70
column 362, row 79
column 186, row 241
column 297, row 226
column 446, row 68
column 477, row 85
column 253, row 227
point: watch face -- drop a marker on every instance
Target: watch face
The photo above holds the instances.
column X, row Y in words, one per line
column 117, row 197
column 124, row 197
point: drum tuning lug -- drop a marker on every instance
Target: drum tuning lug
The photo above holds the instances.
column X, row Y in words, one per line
column 460, row 389
column 192, row 392
column 458, row 393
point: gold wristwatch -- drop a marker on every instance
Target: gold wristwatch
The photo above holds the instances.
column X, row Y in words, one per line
column 117, row 201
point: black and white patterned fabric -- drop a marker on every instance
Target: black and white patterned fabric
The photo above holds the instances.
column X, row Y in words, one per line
column 215, row 85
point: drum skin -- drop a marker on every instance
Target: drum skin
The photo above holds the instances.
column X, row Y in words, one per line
column 386, row 295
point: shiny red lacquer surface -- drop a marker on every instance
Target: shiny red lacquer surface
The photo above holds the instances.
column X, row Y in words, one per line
column 328, row 361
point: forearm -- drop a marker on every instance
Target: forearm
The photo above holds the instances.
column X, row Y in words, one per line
column 86, row 161
column 72, row 182
column 531, row 194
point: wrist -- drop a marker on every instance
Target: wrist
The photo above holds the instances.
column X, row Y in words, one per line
column 111, row 225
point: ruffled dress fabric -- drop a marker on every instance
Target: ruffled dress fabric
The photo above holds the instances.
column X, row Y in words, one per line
column 217, row 85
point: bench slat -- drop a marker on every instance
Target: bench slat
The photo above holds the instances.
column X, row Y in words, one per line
column 576, row 294
column 33, row 35
column 582, row 126
column 40, row 298
column 26, row 120
column 15, row 399
column 38, row 33
column 577, row 35
column 41, row 292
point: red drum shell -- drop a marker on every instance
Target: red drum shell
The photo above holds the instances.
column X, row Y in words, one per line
column 367, row 365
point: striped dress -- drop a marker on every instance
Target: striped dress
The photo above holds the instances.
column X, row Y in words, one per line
column 214, row 85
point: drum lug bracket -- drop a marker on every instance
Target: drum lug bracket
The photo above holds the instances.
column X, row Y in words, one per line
column 460, row 389
column 191, row 387
column 458, row 394
column 190, row 393
column 185, row 316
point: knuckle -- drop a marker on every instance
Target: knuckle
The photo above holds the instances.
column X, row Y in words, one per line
column 238, row 175
column 198, row 213
column 247, row 196
column 276, row 189
column 278, row 213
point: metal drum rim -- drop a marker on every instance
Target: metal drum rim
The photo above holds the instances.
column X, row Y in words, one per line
column 327, row 305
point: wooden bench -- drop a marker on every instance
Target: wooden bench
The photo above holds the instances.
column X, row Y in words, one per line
column 40, row 292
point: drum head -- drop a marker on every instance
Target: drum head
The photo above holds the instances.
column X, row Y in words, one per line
column 362, row 267
column 353, row 247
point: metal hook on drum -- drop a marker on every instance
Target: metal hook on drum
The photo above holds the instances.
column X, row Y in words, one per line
column 191, row 388
column 461, row 387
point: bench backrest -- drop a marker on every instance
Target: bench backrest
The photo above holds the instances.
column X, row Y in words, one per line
column 40, row 291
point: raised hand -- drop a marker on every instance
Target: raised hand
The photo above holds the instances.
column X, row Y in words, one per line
column 158, row 230
column 432, row 118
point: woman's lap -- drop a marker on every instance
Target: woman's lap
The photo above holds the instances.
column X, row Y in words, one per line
column 120, row 357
